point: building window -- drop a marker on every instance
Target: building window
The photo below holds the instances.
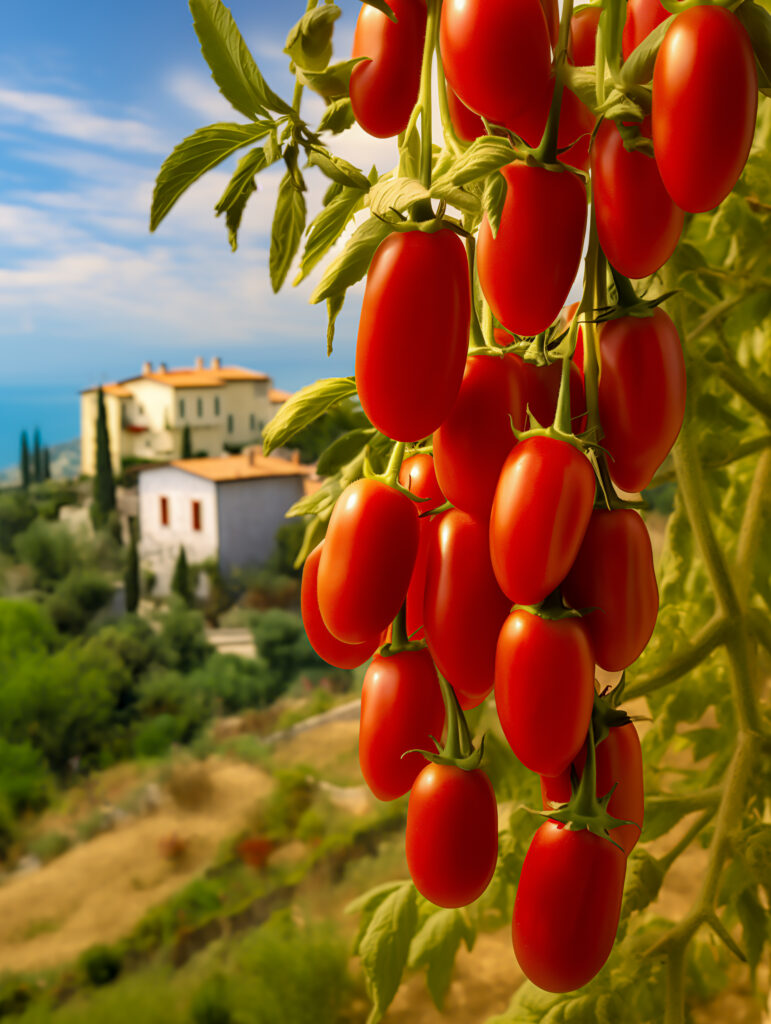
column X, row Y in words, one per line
column 164, row 511
column 251, row 421
column 181, row 408
column 200, row 407
column 196, row 515
column 262, row 426
column 216, row 405
column 230, row 422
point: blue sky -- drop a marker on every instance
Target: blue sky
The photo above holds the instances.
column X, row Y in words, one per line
column 93, row 96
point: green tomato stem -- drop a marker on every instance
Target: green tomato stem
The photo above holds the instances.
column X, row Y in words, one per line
column 591, row 342
column 298, row 86
column 426, row 151
column 546, row 151
column 586, row 797
column 395, row 464
column 562, row 420
column 453, row 747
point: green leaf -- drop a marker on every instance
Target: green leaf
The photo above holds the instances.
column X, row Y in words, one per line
column 493, row 198
column 334, row 305
column 644, row 876
column 287, row 230
column 582, row 82
column 382, row 6
column 314, row 534
column 637, row 69
column 343, row 449
column 409, row 153
column 196, row 155
column 484, row 155
column 367, row 904
column 352, row 264
column 755, row 928
column 313, row 504
column 435, row 947
column 337, row 117
column 309, row 43
column 396, row 194
column 338, row 170
column 241, row 186
column 327, row 228
column 385, row 946
column 757, row 21
column 333, row 82
column 232, row 66
column 303, row 408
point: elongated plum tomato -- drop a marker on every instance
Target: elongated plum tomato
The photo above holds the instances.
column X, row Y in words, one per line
column 494, row 53
column 401, row 709
column 619, row 763
column 638, row 225
column 413, row 332
column 541, row 385
column 452, row 834
column 544, row 689
column 575, row 127
column 468, row 125
column 472, row 443
column 567, row 906
column 367, row 560
column 384, row 88
column 527, row 269
column 539, row 517
column 464, row 607
column 703, row 118
column 418, row 476
column 641, row 395
column 583, row 36
column 613, row 576
column 642, row 16
column 327, row 646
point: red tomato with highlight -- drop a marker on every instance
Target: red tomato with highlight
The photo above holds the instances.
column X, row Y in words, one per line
column 544, row 689
column 638, row 225
column 551, row 12
column 452, row 834
column 642, row 16
column 641, row 395
column 413, row 332
column 367, row 560
column 401, row 709
column 384, row 88
column 468, row 125
column 472, row 443
column 576, row 122
column 526, row 271
column 583, row 36
column 619, row 763
column 567, row 906
column 539, row 517
column 705, row 99
column 542, row 387
column 464, row 607
column 327, row 646
column 418, row 476
column 613, row 575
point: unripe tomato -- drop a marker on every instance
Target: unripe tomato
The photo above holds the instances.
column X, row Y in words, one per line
column 468, row 125
column 583, row 36
column 642, row 16
column 464, row 607
column 494, row 52
column 705, row 98
column 641, row 395
column 413, row 332
column 540, row 513
column 618, row 763
column 526, row 271
column 384, row 88
column 452, row 834
column 472, row 443
column 401, row 709
column 367, row 560
column 567, row 906
column 544, row 689
column 613, row 576
column 638, row 225
column 418, row 476
column 328, row 647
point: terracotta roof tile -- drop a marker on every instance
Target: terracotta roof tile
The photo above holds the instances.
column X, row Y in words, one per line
column 248, row 466
column 277, row 396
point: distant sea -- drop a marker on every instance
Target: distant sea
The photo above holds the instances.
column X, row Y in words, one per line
column 53, row 409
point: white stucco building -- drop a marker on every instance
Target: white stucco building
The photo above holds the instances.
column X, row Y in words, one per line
column 226, row 508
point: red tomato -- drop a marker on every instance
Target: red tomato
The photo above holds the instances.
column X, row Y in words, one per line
column 641, row 395
column 705, row 98
column 583, row 36
column 401, row 709
column 613, row 575
column 642, row 16
column 494, row 53
column 619, row 763
column 526, row 271
column 384, row 89
column 576, row 121
column 544, row 689
column 367, row 560
column 551, row 12
column 328, row 647
column 418, row 476
column 413, row 332
column 464, row 608
column 567, row 906
column 472, row 444
column 452, row 834
column 542, row 386
column 468, row 125
column 638, row 225
column 540, row 513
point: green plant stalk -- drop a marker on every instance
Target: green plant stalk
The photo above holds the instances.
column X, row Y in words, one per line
column 478, row 339
column 395, row 464
column 297, row 95
column 546, row 151
column 450, row 135
column 682, row 844
column 708, row 639
column 562, row 420
column 453, row 746
column 591, row 345
column 587, row 788
column 426, row 151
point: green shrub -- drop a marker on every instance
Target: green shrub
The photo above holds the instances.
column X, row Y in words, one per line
column 100, row 964
column 25, row 780
column 49, row 845
column 211, row 1003
column 77, row 598
column 228, row 683
column 289, row 799
column 7, row 826
column 155, row 736
column 49, row 548
column 281, row 640
column 182, row 642
column 25, row 628
column 16, row 513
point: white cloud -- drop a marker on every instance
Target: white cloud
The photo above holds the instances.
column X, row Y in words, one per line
column 198, row 93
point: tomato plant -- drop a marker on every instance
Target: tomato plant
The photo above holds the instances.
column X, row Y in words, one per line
column 417, row 474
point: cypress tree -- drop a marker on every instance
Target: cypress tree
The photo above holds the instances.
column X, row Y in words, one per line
column 180, row 581
column 46, row 464
column 37, row 458
column 24, row 460
column 131, row 575
column 104, row 484
column 187, row 443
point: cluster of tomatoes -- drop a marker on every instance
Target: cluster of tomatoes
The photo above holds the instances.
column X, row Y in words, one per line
column 493, row 553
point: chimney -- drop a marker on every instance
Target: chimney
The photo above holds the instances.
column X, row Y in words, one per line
column 295, row 457
column 147, row 369
column 162, row 368
column 215, row 363
column 199, row 362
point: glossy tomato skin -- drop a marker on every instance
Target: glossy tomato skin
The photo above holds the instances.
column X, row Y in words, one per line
column 494, row 52
column 544, row 689
column 384, row 88
column 367, row 560
column 526, row 271
column 705, row 98
column 472, row 443
column 642, row 16
column 638, row 224
column 464, row 607
column 413, row 332
column 613, row 575
column 641, row 395
column 576, row 122
column 540, row 513
column 418, row 476
column 542, row 386
column 583, row 36
column 551, row 12
column 619, row 763
column 327, row 646
column 468, row 125
column 452, row 834
column 567, row 906
column 401, row 709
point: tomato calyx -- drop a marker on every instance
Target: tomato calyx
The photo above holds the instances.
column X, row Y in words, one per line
column 552, row 608
column 628, row 302
column 458, row 749
column 391, row 476
column 400, row 642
